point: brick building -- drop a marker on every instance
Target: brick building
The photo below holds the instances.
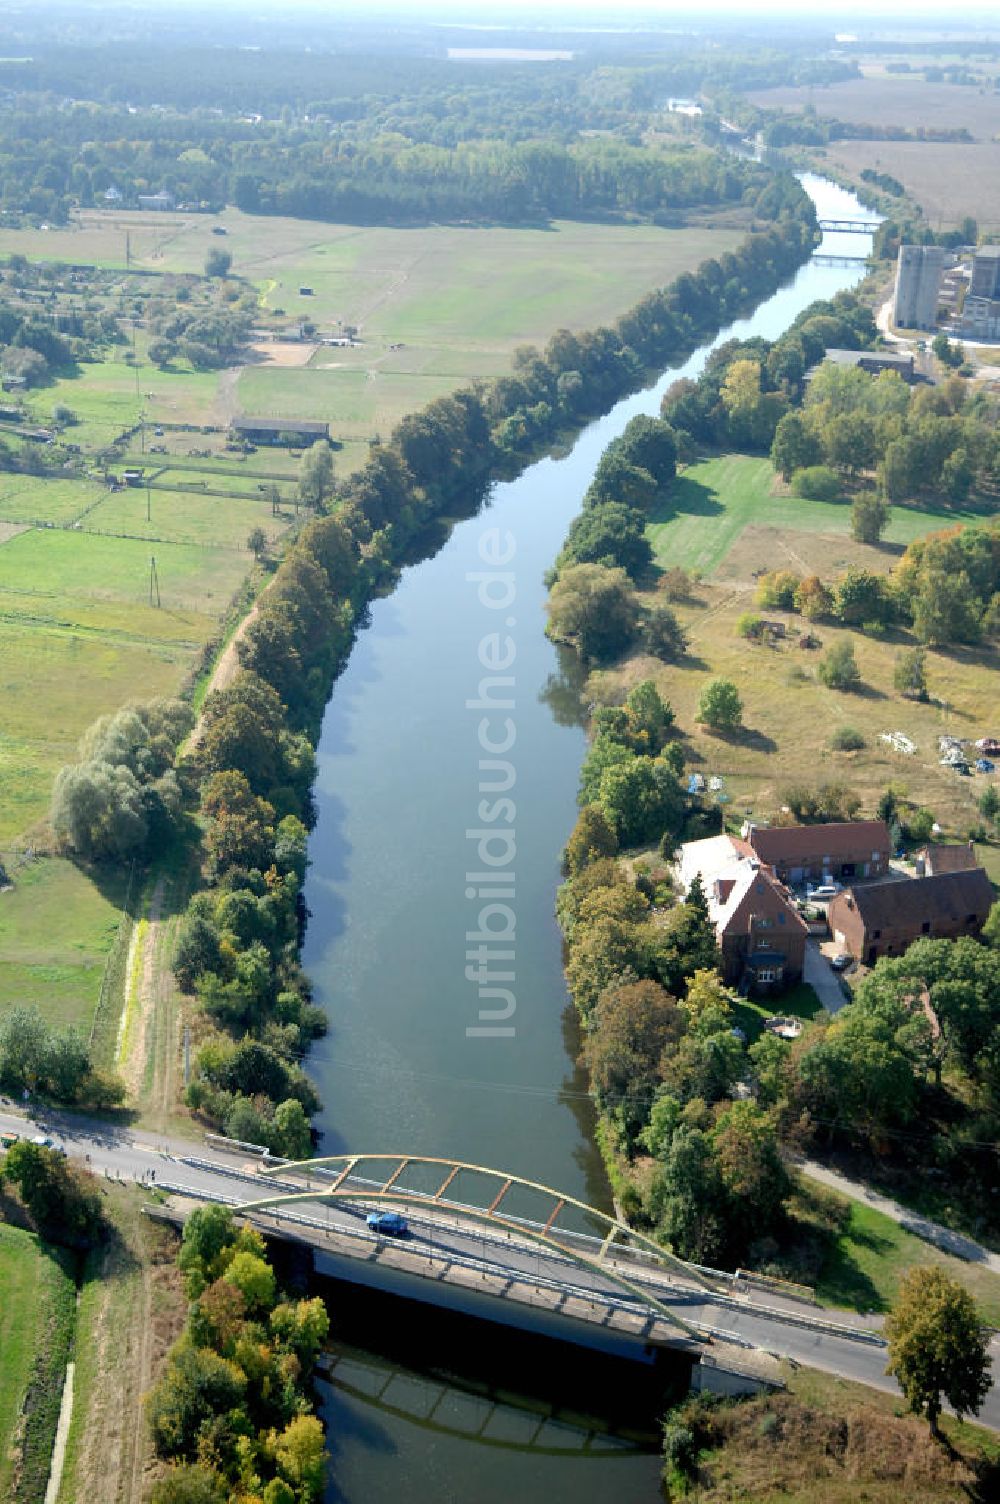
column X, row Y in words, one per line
column 760, row 932
column 882, row 920
column 844, row 851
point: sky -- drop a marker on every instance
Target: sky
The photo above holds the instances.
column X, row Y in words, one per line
column 480, row 11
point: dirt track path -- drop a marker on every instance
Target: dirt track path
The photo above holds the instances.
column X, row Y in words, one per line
column 226, row 666
column 133, row 1066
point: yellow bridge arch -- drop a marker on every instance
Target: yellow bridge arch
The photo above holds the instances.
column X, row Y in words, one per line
column 390, row 1191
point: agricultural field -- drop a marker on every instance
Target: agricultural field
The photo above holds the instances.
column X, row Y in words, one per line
column 730, row 525
column 57, row 926
column 894, row 100
column 67, row 568
column 947, row 179
column 176, row 517
column 32, row 498
column 455, row 301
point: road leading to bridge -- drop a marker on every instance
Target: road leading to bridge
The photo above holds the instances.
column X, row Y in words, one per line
column 837, row 1342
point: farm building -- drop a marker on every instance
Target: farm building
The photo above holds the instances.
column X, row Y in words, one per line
column 290, row 431
column 802, row 853
column 886, row 918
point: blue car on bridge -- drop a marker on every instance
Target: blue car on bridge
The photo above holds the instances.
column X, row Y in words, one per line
column 390, row 1224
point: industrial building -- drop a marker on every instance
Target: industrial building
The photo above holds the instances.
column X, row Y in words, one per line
column 918, row 283
column 981, row 314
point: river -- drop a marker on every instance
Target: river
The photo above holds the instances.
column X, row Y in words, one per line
column 409, row 1064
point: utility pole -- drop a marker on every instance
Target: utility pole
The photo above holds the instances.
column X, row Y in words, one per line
column 148, row 516
column 154, row 582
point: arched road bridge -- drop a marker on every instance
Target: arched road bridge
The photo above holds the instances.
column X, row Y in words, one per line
column 496, row 1234
column 470, row 1193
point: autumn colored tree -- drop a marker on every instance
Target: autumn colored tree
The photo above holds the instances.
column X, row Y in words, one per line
column 938, row 1347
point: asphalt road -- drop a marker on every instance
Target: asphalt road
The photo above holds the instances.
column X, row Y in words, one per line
column 770, row 1322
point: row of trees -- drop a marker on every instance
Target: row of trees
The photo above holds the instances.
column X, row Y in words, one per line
column 232, row 1413
column 748, row 386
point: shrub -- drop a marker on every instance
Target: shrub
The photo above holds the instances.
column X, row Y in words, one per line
column 677, row 584
column 720, row 705
column 679, row 1449
column 778, row 589
column 919, row 826
column 846, row 739
column 817, row 483
column 748, row 625
column 838, row 667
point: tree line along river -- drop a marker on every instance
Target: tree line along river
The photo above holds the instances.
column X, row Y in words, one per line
column 432, row 942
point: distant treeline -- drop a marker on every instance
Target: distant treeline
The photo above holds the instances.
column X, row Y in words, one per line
column 53, row 160
column 421, row 94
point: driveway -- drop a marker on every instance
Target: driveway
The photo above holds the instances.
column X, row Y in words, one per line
column 822, row 978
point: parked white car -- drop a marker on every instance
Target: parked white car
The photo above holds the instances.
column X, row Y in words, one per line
column 825, row 890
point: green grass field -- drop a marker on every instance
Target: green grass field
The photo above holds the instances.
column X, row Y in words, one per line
column 55, row 679
column 866, row 1262
column 728, row 524
column 109, row 397
column 79, row 637
column 32, row 498
column 56, row 929
column 37, row 1304
column 714, row 501
column 64, row 566
column 209, row 521
column 21, row 1314
column 356, row 403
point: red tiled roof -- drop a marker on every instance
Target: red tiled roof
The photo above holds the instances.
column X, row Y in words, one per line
column 766, row 897
column 959, row 858
column 947, row 895
column 784, row 843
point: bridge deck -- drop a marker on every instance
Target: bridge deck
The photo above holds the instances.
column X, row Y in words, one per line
column 514, row 1286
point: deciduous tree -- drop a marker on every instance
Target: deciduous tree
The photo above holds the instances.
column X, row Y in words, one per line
column 938, row 1350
